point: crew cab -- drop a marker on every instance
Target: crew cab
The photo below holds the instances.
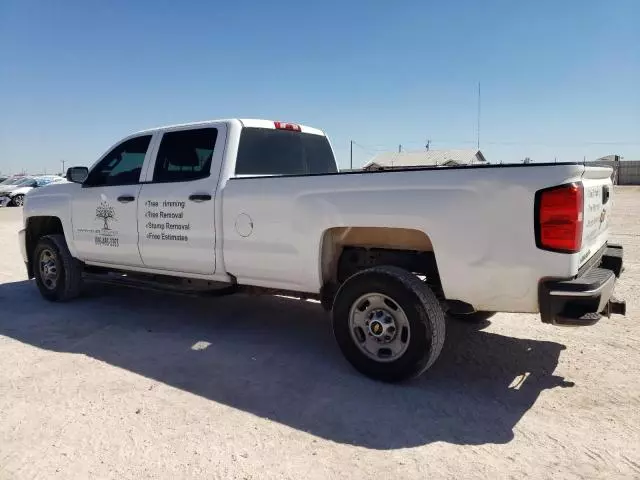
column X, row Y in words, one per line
column 257, row 205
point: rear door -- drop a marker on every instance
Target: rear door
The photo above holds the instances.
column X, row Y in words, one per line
column 176, row 213
column 598, row 196
column 262, row 233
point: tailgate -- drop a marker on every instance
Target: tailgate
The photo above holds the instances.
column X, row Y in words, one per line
column 598, row 196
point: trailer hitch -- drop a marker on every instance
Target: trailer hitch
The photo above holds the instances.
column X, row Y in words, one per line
column 615, row 306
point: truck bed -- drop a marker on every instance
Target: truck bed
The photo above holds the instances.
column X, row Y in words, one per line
column 478, row 218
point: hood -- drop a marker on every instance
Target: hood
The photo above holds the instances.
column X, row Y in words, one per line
column 56, row 188
column 17, row 191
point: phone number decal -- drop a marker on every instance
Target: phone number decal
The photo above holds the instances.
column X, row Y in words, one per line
column 107, row 241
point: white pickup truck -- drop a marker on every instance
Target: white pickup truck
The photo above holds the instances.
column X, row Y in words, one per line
column 256, row 203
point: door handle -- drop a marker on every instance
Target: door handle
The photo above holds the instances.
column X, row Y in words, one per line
column 126, row 198
column 200, row 197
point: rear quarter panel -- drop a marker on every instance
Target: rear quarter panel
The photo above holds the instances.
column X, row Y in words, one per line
column 479, row 220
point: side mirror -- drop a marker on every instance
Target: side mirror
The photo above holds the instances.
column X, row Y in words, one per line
column 77, row 174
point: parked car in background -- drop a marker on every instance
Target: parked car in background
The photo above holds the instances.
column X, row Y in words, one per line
column 2, row 179
column 13, row 195
column 13, row 180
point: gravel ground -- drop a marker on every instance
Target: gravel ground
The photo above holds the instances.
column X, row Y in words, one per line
column 134, row 384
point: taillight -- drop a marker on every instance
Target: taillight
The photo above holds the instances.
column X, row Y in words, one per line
column 287, row 126
column 559, row 218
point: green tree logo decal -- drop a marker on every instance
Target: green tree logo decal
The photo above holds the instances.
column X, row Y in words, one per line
column 105, row 212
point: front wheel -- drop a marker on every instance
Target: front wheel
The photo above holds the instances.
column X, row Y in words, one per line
column 388, row 323
column 18, row 200
column 58, row 275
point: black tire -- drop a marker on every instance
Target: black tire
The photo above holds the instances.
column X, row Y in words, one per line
column 17, row 201
column 68, row 279
column 475, row 317
column 421, row 308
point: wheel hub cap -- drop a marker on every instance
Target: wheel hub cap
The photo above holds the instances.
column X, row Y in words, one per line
column 379, row 327
column 48, row 269
column 382, row 325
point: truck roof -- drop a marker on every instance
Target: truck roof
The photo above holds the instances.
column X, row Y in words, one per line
column 245, row 122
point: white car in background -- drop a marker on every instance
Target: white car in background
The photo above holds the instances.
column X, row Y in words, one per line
column 13, row 195
column 10, row 182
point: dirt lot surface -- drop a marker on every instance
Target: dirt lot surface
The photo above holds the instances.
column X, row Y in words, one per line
column 133, row 384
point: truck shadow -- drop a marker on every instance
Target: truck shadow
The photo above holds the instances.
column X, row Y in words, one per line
column 276, row 358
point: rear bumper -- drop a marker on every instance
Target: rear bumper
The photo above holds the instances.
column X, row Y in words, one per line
column 587, row 298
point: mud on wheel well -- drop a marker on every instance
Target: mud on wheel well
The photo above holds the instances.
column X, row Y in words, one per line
column 36, row 228
column 348, row 250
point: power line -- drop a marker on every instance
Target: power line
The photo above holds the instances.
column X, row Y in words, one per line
column 371, row 150
column 509, row 142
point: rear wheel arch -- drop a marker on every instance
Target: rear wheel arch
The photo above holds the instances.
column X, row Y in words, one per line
column 345, row 251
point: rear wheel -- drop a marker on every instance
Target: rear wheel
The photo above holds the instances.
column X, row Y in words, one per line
column 58, row 275
column 388, row 323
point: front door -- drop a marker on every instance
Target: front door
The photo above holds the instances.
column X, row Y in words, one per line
column 104, row 211
column 176, row 208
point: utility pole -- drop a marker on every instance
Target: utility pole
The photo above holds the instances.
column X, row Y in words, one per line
column 63, row 162
column 400, row 148
column 351, row 154
column 478, row 116
column 428, row 145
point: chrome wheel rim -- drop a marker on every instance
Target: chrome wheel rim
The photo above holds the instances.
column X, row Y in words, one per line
column 48, row 265
column 379, row 327
column 19, row 200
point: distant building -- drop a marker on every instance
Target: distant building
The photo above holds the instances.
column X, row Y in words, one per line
column 608, row 158
column 426, row 158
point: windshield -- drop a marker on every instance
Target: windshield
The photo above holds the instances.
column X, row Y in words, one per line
column 46, row 181
column 264, row 151
column 24, row 182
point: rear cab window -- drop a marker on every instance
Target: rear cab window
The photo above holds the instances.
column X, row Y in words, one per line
column 185, row 155
column 264, row 151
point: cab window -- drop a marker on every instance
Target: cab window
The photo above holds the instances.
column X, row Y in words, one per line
column 122, row 165
column 185, row 155
column 265, row 151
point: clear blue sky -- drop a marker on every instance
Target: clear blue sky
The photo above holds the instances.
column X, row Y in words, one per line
column 559, row 78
